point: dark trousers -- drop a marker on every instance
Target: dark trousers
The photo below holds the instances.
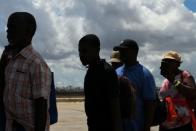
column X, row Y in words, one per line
column 18, row 127
column 187, row 127
column 2, row 120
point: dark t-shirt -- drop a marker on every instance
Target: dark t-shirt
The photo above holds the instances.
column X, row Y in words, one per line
column 100, row 86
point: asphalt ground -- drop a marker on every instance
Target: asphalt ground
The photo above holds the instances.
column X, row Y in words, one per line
column 72, row 117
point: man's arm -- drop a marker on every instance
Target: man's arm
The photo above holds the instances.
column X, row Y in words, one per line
column 187, row 87
column 149, row 108
column 116, row 115
column 3, row 63
column 40, row 114
column 149, row 100
column 41, row 83
column 114, row 102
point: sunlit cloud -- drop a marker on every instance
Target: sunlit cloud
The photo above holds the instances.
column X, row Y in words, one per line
column 157, row 26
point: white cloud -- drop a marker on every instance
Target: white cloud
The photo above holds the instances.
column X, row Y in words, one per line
column 157, row 25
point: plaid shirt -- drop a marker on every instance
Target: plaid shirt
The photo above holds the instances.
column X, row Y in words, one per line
column 27, row 77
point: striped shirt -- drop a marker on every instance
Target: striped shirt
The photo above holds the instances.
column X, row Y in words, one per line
column 27, row 77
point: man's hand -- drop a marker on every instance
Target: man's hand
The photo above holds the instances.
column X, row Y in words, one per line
column 149, row 108
column 40, row 105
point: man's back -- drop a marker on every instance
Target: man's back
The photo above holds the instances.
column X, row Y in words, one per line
column 100, row 86
column 144, row 82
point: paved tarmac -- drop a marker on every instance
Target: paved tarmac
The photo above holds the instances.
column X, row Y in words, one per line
column 72, row 117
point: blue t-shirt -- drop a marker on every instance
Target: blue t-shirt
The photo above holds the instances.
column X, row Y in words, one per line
column 145, row 88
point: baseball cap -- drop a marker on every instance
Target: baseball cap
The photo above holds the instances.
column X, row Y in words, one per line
column 126, row 44
column 115, row 57
column 172, row 55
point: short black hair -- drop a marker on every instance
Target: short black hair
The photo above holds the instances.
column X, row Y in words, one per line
column 28, row 18
column 128, row 44
column 91, row 40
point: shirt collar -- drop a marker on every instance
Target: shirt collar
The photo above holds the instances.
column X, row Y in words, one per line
column 26, row 51
column 131, row 67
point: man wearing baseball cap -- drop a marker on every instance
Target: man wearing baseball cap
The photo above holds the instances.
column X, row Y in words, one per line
column 143, row 81
column 179, row 85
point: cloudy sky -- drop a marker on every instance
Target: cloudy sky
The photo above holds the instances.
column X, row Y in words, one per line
column 157, row 26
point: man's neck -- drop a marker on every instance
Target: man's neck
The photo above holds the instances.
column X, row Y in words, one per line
column 131, row 63
column 15, row 49
column 172, row 76
column 95, row 62
column 20, row 44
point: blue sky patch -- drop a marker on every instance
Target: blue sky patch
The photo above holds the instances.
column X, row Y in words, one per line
column 191, row 4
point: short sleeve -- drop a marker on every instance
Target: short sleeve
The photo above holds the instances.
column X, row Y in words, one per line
column 41, row 80
column 149, row 87
column 188, row 79
column 163, row 89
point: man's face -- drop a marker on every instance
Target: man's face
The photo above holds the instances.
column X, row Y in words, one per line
column 168, row 68
column 16, row 30
column 127, row 55
column 87, row 53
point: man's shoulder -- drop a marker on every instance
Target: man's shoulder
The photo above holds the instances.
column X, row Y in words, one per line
column 120, row 70
column 30, row 54
column 186, row 73
column 36, row 59
column 146, row 74
column 145, row 70
column 107, row 68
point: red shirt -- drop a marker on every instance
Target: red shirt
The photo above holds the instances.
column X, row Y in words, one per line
column 183, row 114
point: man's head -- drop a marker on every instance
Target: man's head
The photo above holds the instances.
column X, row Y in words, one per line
column 89, row 47
column 128, row 50
column 115, row 59
column 21, row 27
column 170, row 63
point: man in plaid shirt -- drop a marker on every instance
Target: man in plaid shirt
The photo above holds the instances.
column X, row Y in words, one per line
column 27, row 77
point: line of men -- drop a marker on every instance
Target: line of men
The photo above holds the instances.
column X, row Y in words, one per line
column 103, row 89
column 25, row 81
